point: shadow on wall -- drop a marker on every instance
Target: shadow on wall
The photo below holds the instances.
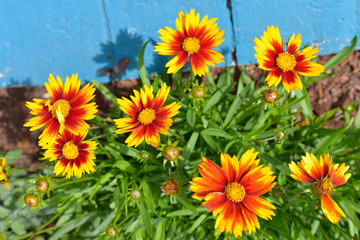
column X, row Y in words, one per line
column 121, row 55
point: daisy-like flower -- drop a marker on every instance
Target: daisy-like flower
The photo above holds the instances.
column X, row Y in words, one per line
column 67, row 109
column 324, row 176
column 148, row 117
column 74, row 156
column 3, row 177
column 285, row 64
column 233, row 191
column 192, row 40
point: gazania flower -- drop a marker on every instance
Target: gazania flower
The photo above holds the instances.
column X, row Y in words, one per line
column 148, row 117
column 74, row 155
column 192, row 40
column 324, row 176
column 3, row 177
column 285, row 64
column 67, row 109
column 233, row 191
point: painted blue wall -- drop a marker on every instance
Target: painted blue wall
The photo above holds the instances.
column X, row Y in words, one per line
column 78, row 36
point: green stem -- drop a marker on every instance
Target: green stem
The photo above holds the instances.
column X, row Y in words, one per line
column 75, row 181
column 19, row 179
column 100, row 136
column 283, row 103
column 175, row 134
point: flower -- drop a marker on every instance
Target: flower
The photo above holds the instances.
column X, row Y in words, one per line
column 74, row 155
column 324, row 176
column 285, row 64
column 192, row 40
column 2, row 173
column 67, row 109
column 147, row 116
column 170, row 187
column 232, row 191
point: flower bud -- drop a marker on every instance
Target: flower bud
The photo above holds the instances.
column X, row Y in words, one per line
column 111, row 231
column 42, row 185
column 171, row 153
column 198, row 92
column 31, row 200
column 280, row 134
column 270, row 96
column 143, row 155
column 349, row 108
column 170, row 187
column 135, row 194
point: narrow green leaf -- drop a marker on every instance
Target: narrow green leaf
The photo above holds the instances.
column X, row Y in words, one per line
column 190, row 116
column 145, row 215
column 276, row 162
column 142, row 71
column 186, row 203
column 12, row 156
column 210, row 79
column 338, row 58
column 305, row 103
column 197, row 223
column 211, row 142
column 69, row 226
column 224, row 79
column 357, row 119
column 105, row 91
column 104, row 178
column 319, row 78
column 125, row 166
column 182, row 212
column 160, row 231
column 190, row 145
column 236, row 104
column 217, row 133
column 149, row 199
column 217, row 96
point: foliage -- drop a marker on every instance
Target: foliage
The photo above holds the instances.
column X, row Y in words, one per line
column 232, row 117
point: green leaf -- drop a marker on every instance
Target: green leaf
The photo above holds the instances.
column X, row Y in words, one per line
column 338, row 58
column 12, row 156
column 235, row 104
column 211, row 142
column 210, row 79
column 160, row 231
column 357, row 119
column 105, row 91
column 190, row 145
column 305, row 103
column 224, row 79
column 319, row 78
column 217, row 96
column 217, row 133
column 149, row 199
column 69, row 226
column 182, row 212
column 125, row 166
column 145, row 215
column 190, row 116
column 18, row 227
column 276, row 162
column 104, row 178
column 197, row 223
column 142, row 71
column 186, row 203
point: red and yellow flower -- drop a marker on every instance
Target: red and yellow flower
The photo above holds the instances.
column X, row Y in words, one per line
column 148, row 117
column 233, row 191
column 3, row 177
column 67, row 109
column 192, row 40
column 324, row 176
column 74, row 156
column 285, row 64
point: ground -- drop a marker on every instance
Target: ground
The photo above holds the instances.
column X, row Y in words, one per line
column 336, row 91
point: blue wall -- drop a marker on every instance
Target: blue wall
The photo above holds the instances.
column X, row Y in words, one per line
column 69, row 36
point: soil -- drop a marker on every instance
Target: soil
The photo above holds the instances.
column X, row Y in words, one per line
column 337, row 91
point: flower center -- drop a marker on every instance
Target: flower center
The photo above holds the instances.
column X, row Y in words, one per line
column 70, row 150
column 146, row 116
column 235, row 192
column 286, row 61
column 323, row 186
column 191, row 45
column 60, row 110
column 170, row 187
